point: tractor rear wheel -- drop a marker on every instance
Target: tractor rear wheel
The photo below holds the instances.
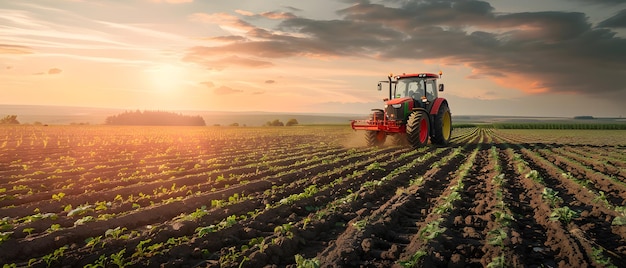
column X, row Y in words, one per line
column 399, row 139
column 418, row 128
column 443, row 126
column 375, row 138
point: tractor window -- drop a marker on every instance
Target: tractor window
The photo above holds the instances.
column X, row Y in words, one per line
column 431, row 90
column 413, row 88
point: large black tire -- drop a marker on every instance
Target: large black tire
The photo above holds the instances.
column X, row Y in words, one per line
column 443, row 126
column 399, row 139
column 418, row 128
column 375, row 138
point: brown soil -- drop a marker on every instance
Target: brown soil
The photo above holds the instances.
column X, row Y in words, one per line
column 252, row 197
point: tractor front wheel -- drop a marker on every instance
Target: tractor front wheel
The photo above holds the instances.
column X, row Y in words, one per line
column 399, row 139
column 418, row 128
column 375, row 138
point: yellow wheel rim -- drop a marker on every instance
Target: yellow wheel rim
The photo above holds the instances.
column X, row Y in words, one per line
column 446, row 126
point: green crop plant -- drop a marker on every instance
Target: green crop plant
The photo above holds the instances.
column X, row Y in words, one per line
column 360, row 225
column 82, row 209
column 54, row 256
column 115, row 233
column 100, row 263
column 54, row 227
column 374, row 166
column 284, row 230
column 140, row 249
column 118, row 259
column 93, row 242
column 551, row 196
column 497, row 262
column 202, row 231
column 619, row 220
column 302, row 262
column 230, row 257
column 498, row 180
column 597, row 255
column 563, row 214
column 534, row 175
column 29, row 231
column 413, row 260
column 496, row 237
column 4, row 236
column 601, row 197
column 84, row 220
column 431, row 230
column 503, row 218
column 102, row 205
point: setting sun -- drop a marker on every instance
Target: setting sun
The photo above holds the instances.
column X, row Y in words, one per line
column 166, row 78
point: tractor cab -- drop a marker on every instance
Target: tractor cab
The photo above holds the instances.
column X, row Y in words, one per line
column 408, row 92
column 420, row 89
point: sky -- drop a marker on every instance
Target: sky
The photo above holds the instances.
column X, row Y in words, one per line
column 558, row 58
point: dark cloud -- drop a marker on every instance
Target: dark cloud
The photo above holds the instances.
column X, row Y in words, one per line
column 293, row 9
column 55, row 71
column 277, row 15
column 531, row 51
column 228, row 39
column 270, row 81
column 14, row 49
column 617, row 21
column 224, row 90
column 601, row 2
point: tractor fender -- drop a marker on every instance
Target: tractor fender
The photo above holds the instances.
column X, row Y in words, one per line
column 437, row 103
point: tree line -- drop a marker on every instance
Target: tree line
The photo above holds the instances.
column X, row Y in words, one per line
column 9, row 120
column 154, row 118
column 278, row 123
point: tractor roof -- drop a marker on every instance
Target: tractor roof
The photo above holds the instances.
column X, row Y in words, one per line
column 421, row 75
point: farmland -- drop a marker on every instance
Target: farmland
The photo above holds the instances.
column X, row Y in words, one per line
column 102, row 196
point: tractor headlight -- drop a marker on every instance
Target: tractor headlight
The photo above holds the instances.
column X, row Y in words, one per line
column 396, row 106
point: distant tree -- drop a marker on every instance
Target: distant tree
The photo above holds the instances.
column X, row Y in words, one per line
column 275, row 123
column 292, row 122
column 234, row 124
column 154, row 118
column 9, row 120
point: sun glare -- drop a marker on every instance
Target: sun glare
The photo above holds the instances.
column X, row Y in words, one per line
column 166, row 78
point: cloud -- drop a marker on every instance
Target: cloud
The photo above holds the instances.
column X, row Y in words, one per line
column 15, row 49
column 208, row 84
column 270, row 81
column 534, row 52
column 224, row 90
column 171, row 1
column 55, row 71
column 204, row 57
column 617, row 21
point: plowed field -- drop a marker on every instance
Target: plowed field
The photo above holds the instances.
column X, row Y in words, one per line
column 100, row 196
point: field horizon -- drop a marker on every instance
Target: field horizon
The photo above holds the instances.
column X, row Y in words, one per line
column 65, row 115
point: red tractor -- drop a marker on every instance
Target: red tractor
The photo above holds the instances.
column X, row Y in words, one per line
column 413, row 113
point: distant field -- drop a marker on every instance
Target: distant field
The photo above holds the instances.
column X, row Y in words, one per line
column 108, row 196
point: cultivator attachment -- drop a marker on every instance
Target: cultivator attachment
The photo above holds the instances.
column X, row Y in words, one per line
column 392, row 126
